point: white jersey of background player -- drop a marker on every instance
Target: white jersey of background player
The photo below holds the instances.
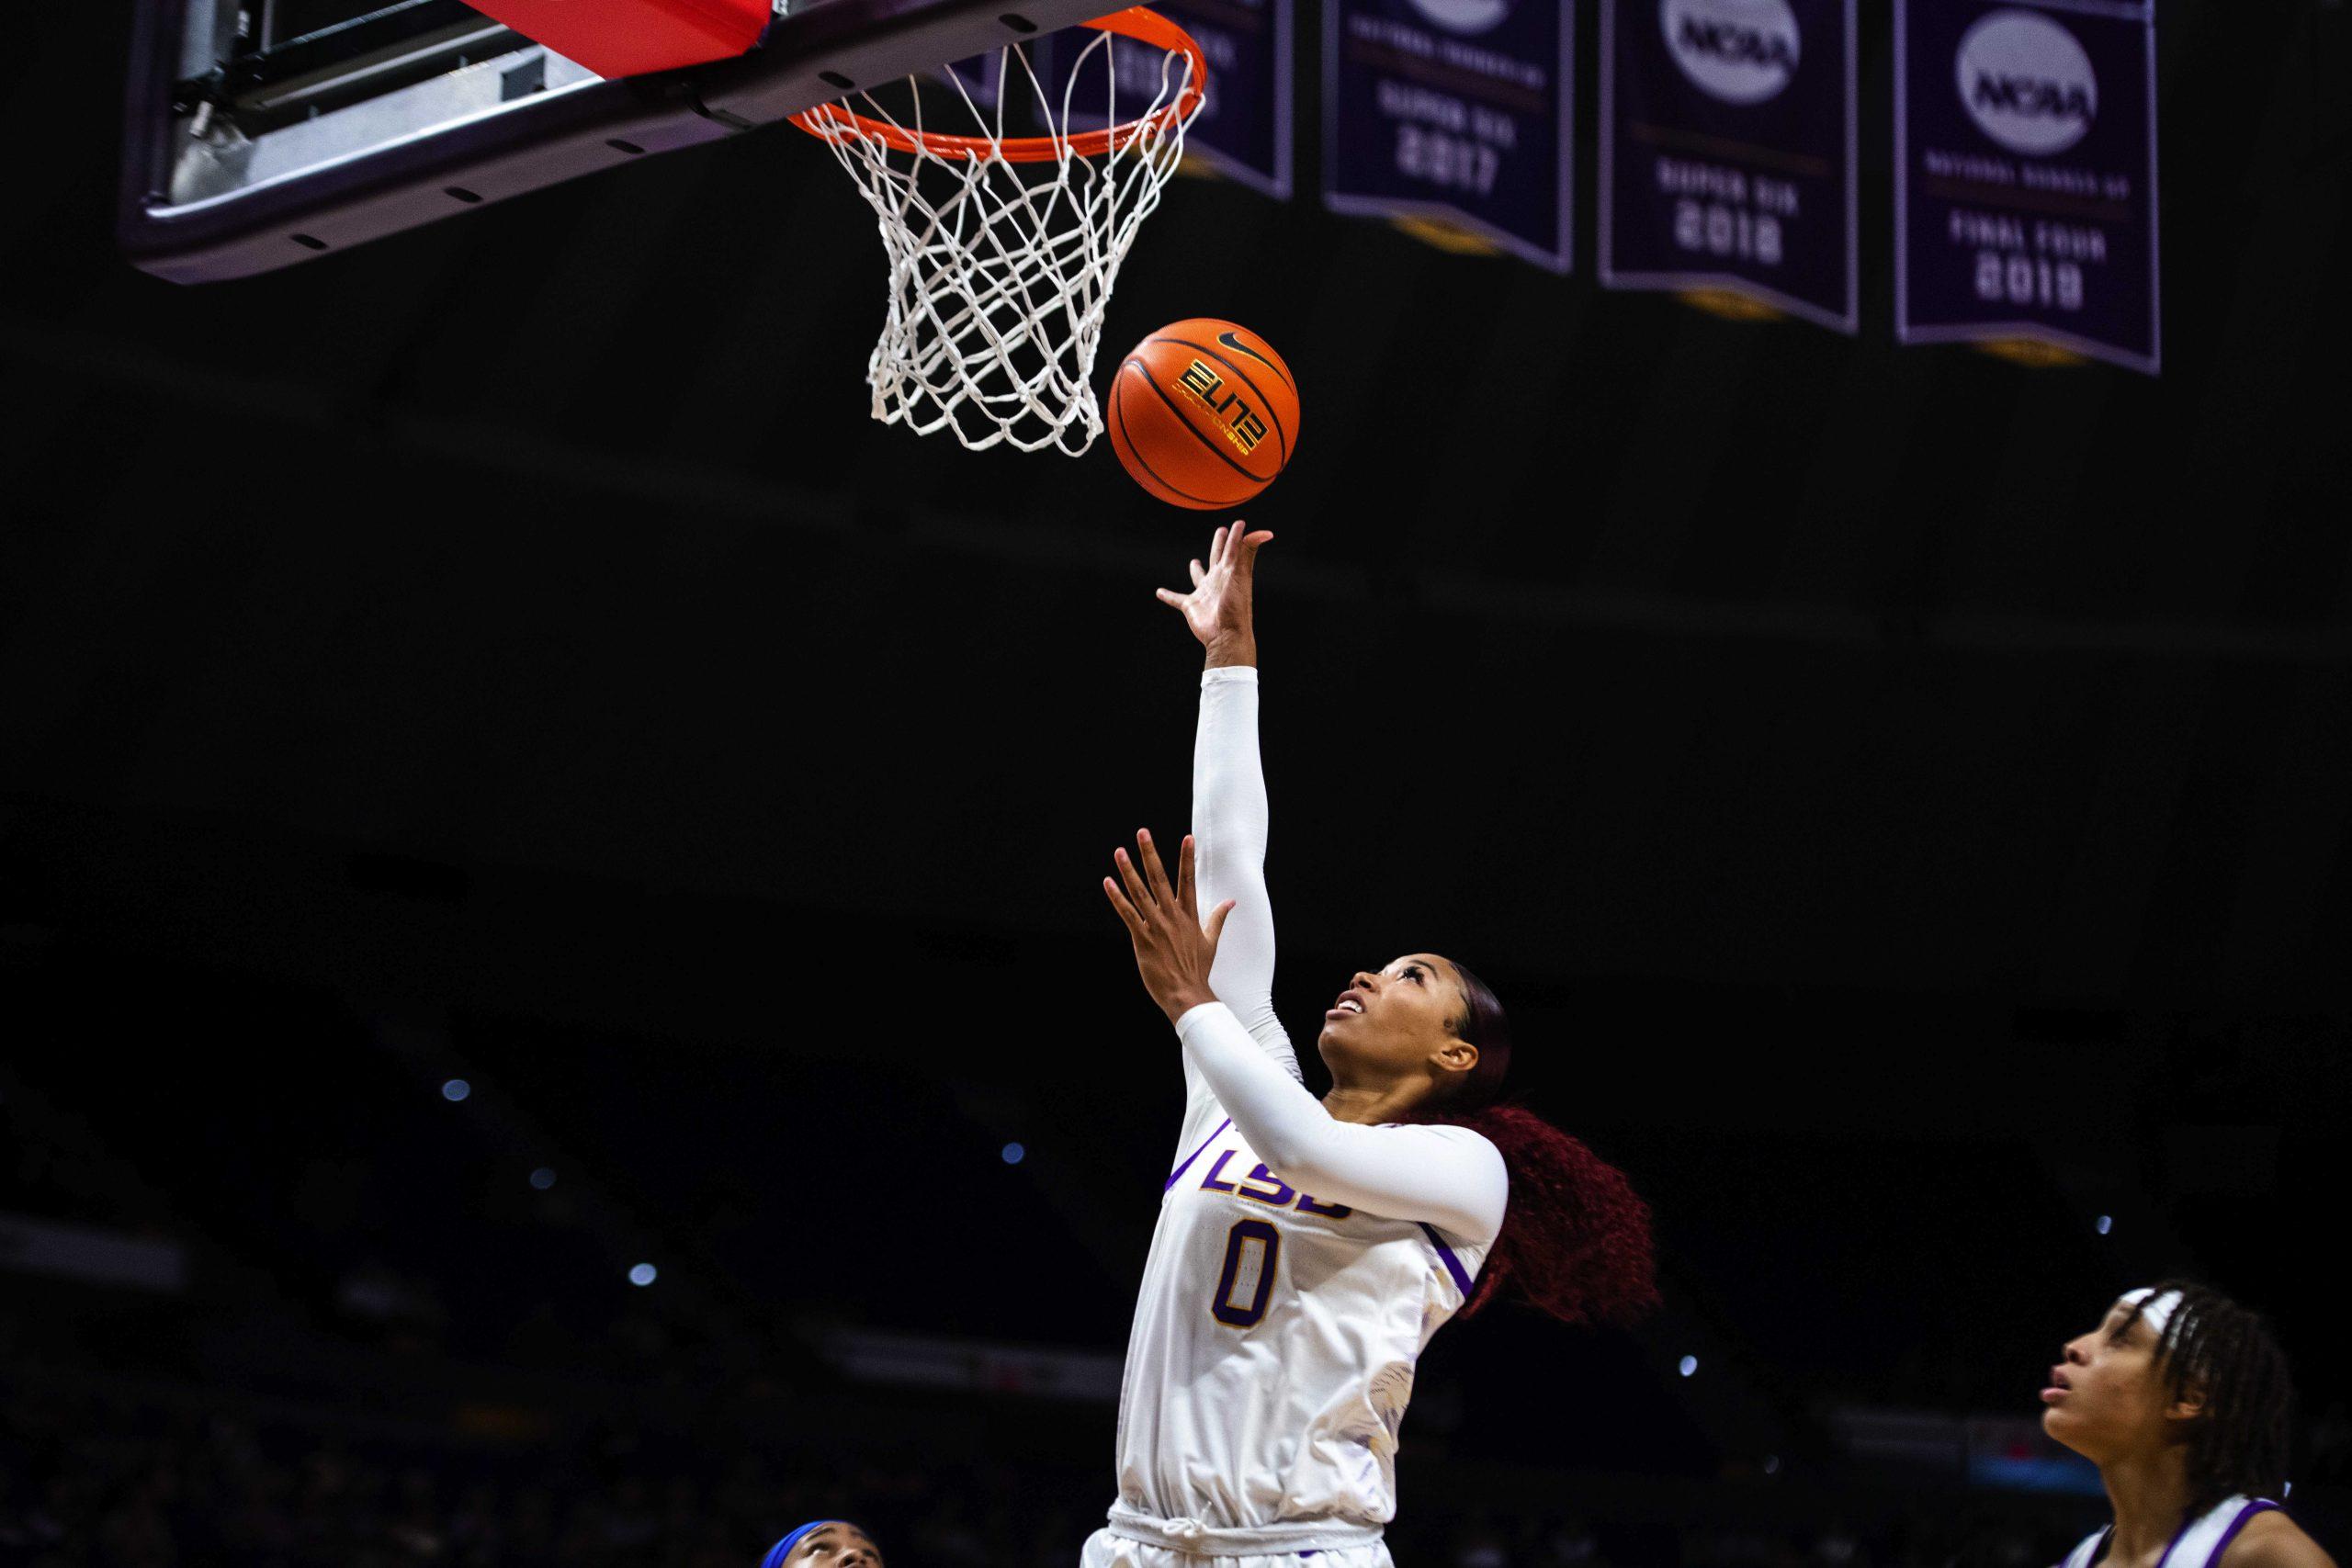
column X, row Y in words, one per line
column 1305, row 1252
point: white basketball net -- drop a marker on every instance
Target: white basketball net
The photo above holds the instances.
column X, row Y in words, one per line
column 1000, row 269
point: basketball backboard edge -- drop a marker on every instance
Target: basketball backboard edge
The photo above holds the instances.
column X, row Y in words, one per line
column 409, row 112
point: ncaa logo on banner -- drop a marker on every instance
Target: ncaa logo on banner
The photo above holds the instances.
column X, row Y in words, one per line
column 1738, row 52
column 1466, row 16
column 2027, row 82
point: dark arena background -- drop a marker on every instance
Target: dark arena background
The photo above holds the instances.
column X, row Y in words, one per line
column 557, row 1005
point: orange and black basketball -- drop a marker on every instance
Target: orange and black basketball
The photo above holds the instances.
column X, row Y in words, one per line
column 1203, row 413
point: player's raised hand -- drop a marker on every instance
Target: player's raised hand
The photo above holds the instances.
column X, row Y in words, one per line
column 1219, row 608
column 1172, row 952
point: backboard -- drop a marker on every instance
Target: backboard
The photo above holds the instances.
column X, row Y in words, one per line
column 264, row 133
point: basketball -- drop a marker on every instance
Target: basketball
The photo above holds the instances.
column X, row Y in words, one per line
column 1203, row 413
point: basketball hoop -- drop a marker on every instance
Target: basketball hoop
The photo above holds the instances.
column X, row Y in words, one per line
column 1004, row 249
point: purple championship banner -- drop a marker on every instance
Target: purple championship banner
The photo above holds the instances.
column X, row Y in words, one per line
column 2025, row 176
column 1454, row 109
column 1728, row 144
column 1243, row 130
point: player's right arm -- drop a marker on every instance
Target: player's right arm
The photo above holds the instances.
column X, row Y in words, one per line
column 1229, row 807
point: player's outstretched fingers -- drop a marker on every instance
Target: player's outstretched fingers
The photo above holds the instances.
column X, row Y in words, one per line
column 1121, row 908
column 1154, row 871
column 1138, row 891
column 1184, row 897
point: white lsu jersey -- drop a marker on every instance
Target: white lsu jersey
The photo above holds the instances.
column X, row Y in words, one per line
column 1272, row 1356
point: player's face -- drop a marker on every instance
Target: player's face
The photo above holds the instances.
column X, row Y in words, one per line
column 835, row 1546
column 1397, row 1022
column 2108, row 1397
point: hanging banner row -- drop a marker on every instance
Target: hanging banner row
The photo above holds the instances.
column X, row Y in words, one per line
column 2025, row 147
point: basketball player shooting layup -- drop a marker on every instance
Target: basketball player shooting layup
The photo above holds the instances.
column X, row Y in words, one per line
column 2180, row 1396
column 1305, row 1252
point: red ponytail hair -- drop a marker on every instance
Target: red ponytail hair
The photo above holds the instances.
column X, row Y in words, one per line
column 1575, row 1238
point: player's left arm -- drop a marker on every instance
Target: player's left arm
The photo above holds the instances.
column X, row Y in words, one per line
column 1448, row 1177
column 2271, row 1539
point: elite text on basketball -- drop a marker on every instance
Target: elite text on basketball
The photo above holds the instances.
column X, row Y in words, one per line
column 1242, row 426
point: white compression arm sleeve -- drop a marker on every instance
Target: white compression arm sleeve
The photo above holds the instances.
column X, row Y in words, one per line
column 1448, row 1177
column 1229, row 853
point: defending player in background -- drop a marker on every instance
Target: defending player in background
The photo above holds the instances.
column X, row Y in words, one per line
column 824, row 1543
column 1305, row 1252
column 2180, row 1397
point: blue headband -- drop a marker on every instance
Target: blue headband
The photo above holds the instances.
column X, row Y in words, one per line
column 783, row 1548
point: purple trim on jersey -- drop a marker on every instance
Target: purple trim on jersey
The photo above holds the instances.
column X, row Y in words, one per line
column 2107, row 1539
column 1196, row 1154
column 2254, row 1507
column 2170, row 1547
column 1445, row 1256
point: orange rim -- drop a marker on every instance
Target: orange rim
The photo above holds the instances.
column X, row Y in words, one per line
column 834, row 122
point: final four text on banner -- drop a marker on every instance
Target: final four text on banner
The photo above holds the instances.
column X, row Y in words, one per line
column 1728, row 137
column 2025, row 178
column 1454, row 109
column 1243, row 130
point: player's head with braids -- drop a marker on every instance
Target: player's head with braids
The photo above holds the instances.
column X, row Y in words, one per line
column 1575, row 1238
column 2178, row 1365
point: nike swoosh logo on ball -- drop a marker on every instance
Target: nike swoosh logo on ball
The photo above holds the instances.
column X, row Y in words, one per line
column 1234, row 343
